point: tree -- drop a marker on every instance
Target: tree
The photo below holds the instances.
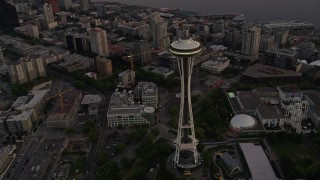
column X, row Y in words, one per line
column 125, row 162
column 119, row 148
column 70, row 131
column 79, row 164
column 200, row 133
column 207, row 158
column 93, row 135
column 155, row 132
column 19, row 90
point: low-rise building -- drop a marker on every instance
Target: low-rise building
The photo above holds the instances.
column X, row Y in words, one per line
column 123, row 111
column 216, row 65
column 163, row 71
column 265, row 73
column 270, row 116
column 126, row 78
column 147, row 93
column 289, row 92
column 257, row 161
column 76, row 62
column 92, row 103
column 281, row 58
column 25, row 111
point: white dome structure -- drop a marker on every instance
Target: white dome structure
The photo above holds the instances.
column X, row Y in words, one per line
column 242, row 121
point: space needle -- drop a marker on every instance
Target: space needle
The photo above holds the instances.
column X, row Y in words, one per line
column 186, row 155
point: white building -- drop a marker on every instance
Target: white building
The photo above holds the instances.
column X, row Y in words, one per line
column 147, row 93
column 123, row 111
column 26, row 111
column 99, row 42
column 216, row 65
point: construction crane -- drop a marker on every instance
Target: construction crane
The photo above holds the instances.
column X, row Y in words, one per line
column 131, row 61
column 59, row 94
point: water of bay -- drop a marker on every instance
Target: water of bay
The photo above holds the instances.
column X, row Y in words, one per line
column 304, row 10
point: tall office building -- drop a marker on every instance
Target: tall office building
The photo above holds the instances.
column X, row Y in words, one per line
column 186, row 155
column 54, row 5
column 84, row 5
column 48, row 14
column 251, row 41
column 159, row 34
column 99, row 42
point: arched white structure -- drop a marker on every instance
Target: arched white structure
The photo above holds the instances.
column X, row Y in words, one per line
column 296, row 112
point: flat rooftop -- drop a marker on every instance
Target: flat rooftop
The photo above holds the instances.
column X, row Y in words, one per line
column 284, row 52
column 264, row 71
column 258, row 163
column 248, row 100
column 269, row 112
column 289, row 88
column 91, row 99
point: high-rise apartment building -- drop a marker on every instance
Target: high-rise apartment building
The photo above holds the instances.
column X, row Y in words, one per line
column 84, row 5
column 142, row 50
column 104, row 66
column 48, row 14
column 159, row 34
column 26, row 70
column 32, row 31
column 232, row 37
column 99, row 42
column 251, row 41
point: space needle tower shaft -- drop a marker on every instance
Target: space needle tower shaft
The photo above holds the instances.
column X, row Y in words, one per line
column 186, row 155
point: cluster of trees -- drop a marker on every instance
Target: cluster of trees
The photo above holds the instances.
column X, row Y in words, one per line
column 150, row 153
column 212, row 119
column 90, row 130
column 107, row 169
column 304, row 84
column 138, row 135
column 302, row 166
